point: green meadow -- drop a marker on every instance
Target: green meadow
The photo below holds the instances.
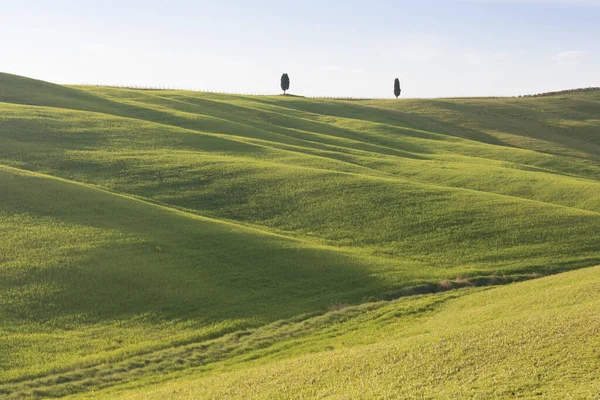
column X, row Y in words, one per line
column 537, row 339
column 158, row 244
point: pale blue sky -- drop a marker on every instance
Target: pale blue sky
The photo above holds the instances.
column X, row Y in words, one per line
column 329, row 48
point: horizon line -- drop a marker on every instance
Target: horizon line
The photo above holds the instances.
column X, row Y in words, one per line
column 182, row 89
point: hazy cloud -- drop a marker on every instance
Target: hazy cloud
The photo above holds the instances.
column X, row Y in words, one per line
column 571, row 57
column 338, row 68
column 331, row 68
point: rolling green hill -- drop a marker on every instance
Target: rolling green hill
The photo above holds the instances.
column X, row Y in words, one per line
column 147, row 232
column 537, row 339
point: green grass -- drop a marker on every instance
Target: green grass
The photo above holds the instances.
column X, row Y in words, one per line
column 539, row 339
column 138, row 227
column 88, row 264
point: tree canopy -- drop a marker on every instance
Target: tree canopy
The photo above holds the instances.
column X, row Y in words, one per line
column 285, row 83
column 397, row 89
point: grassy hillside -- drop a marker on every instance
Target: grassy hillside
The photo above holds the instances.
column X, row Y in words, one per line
column 98, row 275
column 138, row 225
column 539, row 339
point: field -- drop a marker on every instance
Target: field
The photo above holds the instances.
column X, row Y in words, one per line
column 497, row 343
column 158, row 242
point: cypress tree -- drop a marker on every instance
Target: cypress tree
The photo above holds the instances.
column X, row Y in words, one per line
column 397, row 90
column 285, row 83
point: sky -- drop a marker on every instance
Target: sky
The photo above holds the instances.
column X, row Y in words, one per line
column 329, row 48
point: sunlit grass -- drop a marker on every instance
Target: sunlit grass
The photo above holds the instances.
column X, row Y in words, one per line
column 181, row 217
column 528, row 340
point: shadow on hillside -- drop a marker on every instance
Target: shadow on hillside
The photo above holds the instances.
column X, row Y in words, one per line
column 518, row 119
column 212, row 116
column 163, row 265
column 20, row 90
column 424, row 127
column 569, row 124
column 232, row 281
column 541, row 122
column 246, row 121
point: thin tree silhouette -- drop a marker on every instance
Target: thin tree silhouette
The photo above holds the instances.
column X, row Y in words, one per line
column 285, row 83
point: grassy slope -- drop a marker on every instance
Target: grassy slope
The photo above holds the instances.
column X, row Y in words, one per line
column 340, row 200
column 94, row 273
column 538, row 339
column 346, row 181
